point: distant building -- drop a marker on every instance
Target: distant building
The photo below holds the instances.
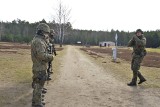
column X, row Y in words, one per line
column 79, row 42
column 106, row 43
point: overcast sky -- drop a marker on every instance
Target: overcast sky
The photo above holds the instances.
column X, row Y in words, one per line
column 127, row 15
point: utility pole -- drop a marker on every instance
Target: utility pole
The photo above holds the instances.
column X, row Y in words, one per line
column 115, row 49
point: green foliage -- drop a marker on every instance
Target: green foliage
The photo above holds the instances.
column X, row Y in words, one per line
column 8, row 38
column 153, row 39
column 16, row 38
column 94, row 37
column 23, row 31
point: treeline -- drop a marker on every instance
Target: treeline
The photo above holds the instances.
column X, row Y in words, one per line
column 17, row 31
column 23, row 31
column 94, row 37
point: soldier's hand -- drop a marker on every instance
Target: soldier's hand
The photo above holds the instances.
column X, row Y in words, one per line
column 55, row 53
column 51, row 58
column 134, row 37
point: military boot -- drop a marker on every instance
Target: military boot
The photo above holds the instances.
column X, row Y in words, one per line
column 142, row 79
column 51, row 72
column 43, row 95
column 132, row 84
column 43, row 103
column 49, row 78
column 44, row 91
column 33, row 104
column 44, row 88
column 42, row 99
column 37, row 105
column 33, row 85
column 134, row 80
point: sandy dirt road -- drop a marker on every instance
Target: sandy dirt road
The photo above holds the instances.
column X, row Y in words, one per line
column 82, row 83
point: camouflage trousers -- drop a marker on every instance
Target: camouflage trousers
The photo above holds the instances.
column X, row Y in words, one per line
column 135, row 66
column 136, row 61
column 39, row 78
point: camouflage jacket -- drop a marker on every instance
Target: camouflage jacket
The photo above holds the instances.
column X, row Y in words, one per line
column 39, row 53
column 138, row 44
column 51, row 40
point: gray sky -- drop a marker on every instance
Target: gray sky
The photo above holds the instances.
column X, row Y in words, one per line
column 127, row 15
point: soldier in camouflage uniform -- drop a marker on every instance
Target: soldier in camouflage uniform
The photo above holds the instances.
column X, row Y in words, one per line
column 51, row 50
column 40, row 58
column 138, row 43
column 51, row 40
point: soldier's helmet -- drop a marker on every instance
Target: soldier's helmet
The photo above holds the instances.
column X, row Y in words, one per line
column 139, row 30
column 52, row 32
column 43, row 27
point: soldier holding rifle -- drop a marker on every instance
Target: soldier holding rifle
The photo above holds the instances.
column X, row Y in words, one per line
column 138, row 43
column 40, row 58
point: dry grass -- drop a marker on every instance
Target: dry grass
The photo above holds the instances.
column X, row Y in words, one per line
column 15, row 67
column 152, row 59
column 122, row 70
column 57, row 62
column 153, row 50
column 16, row 73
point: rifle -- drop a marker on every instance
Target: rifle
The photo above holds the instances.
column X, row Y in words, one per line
column 54, row 50
column 49, row 69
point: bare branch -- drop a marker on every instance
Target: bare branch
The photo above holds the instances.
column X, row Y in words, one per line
column 62, row 18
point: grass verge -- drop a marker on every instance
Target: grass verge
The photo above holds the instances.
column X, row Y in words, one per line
column 16, row 74
column 57, row 62
column 122, row 71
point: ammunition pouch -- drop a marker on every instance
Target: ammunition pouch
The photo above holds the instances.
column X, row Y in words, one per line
column 137, row 52
column 141, row 53
column 144, row 53
column 41, row 76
